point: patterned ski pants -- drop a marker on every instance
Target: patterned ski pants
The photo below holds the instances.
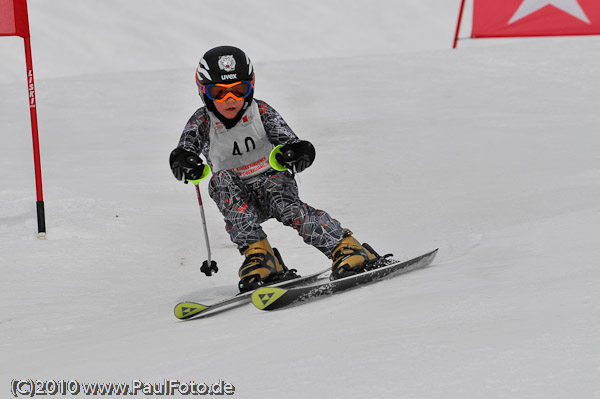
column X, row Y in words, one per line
column 272, row 195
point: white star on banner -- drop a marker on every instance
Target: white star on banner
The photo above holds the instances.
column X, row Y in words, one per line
column 571, row 7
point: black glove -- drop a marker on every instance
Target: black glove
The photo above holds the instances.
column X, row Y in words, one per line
column 186, row 165
column 297, row 156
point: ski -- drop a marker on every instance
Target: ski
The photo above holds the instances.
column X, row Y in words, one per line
column 193, row 310
column 271, row 298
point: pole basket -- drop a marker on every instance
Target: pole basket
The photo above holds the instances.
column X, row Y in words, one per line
column 208, row 269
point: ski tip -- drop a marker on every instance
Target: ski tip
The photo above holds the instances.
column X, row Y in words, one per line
column 185, row 310
column 263, row 298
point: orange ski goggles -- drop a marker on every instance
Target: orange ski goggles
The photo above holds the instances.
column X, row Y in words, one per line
column 220, row 92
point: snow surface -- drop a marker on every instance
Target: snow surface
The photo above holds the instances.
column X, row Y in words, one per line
column 489, row 152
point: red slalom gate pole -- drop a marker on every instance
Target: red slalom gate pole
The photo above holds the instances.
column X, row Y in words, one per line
column 41, row 217
column 460, row 14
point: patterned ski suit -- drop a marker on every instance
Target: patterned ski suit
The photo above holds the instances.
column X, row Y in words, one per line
column 245, row 188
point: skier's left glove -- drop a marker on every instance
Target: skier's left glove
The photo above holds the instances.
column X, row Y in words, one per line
column 297, row 156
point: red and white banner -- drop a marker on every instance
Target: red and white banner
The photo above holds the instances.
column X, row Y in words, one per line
column 516, row 18
column 511, row 18
column 506, row 18
column 13, row 18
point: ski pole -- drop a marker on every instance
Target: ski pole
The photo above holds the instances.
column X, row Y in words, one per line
column 208, row 266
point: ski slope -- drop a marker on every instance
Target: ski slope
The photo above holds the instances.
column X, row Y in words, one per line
column 490, row 153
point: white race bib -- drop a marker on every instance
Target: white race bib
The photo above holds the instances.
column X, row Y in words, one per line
column 243, row 149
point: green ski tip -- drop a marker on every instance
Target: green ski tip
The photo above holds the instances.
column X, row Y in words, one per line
column 186, row 310
column 263, row 297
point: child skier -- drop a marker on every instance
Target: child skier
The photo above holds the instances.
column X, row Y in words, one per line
column 253, row 155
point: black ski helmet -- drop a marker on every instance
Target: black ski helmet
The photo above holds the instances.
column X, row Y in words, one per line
column 224, row 64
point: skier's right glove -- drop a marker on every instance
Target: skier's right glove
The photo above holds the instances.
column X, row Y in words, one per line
column 186, row 165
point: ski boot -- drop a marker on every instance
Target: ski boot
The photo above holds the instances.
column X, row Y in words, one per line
column 263, row 265
column 350, row 257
